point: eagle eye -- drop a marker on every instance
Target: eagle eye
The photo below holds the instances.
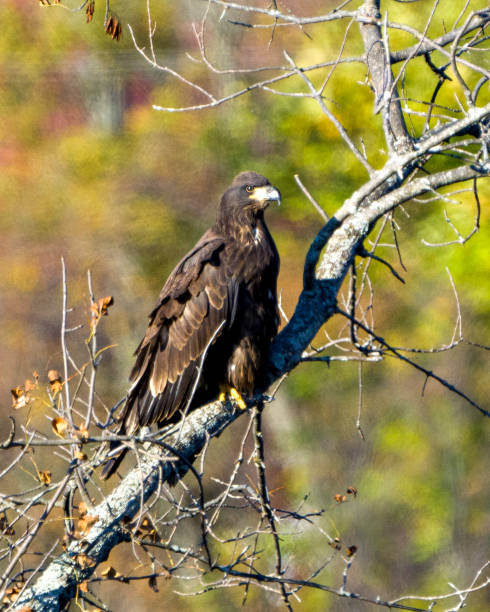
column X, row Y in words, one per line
column 249, row 188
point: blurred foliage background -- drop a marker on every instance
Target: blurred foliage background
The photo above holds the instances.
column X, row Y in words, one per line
column 92, row 174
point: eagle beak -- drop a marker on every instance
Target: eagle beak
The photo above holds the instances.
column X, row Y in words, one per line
column 266, row 194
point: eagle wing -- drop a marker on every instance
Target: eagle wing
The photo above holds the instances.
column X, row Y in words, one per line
column 196, row 304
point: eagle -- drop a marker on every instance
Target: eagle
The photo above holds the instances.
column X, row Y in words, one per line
column 209, row 333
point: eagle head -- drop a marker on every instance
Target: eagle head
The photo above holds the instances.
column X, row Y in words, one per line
column 246, row 198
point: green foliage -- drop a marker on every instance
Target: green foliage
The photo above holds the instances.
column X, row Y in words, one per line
column 92, row 173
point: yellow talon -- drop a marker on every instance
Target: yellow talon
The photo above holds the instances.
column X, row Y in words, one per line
column 238, row 398
column 233, row 394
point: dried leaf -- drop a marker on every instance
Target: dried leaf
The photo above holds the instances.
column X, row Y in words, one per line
column 81, row 433
column 146, row 529
column 44, row 476
column 30, row 385
column 89, row 11
column 105, row 303
column 85, row 524
column 152, row 583
column 82, row 508
column 80, row 456
column 19, row 398
column 11, row 594
column 100, row 308
column 110, row 572
column 351, row 550
column 339, row 498
column 55, row 381
column 336, row 543
column 352, row 491
column 84, row 561
column 113, row 27
column 66, row 540
column 83, row 586
column 59, row 426
column 5, row 528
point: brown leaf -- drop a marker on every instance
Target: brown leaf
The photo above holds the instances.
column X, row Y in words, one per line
column 100, row 308
column 5, row 528
column 55, row 381
column 81, row 433
column 339, row 498
column 19, row 398
column 80, row 456
column 44, row 476
column 82, row 508
column 336, row 543
column 113, row 27
column 83, row 586
column 84, row 560
column 105, row 303
column 59, row 426
column 352, row 491
column 351, row 551
column 110, row 572
column 146, row 529
column 11, row 594
column 30, row 385
column 89, row 11
column 152, row 583
column 85, row 524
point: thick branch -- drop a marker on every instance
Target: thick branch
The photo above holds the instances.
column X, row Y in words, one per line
column 387, row 98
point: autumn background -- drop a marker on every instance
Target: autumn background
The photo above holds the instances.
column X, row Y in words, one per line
column 91, row 173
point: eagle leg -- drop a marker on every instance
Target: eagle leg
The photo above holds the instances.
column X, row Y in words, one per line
column 232, row 393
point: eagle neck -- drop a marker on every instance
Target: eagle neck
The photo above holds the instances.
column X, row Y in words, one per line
column 241, row 226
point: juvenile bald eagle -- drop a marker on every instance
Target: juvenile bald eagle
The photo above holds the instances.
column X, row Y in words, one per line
column 214, row 319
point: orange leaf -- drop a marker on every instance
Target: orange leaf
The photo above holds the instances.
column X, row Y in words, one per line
column 84, row 561
column 81, row 433
column 29, row 385
column 59, row 426
column 44, row 476
column 110, row 572
column 19, row 398
column 86, row 523
column 105, row 303
column 90, row 10
column 113, row 27
column 55, row 381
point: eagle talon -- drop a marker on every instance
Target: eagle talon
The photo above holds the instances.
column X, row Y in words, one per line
column 238, row 398
column 233, row 394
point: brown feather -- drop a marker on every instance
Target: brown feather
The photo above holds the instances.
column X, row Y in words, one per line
column 218, row 303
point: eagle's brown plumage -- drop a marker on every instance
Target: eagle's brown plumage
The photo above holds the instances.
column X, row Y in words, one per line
column 216, row 313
